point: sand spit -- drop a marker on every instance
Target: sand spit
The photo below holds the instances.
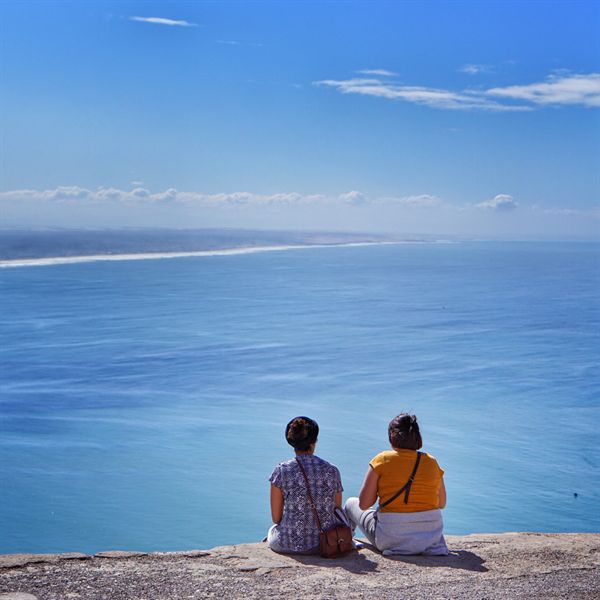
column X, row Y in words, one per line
column 491, row 566
column 67, row 260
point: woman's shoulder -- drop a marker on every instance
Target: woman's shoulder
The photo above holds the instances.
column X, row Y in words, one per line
column 383, row 457
column 431, row 463
column 285, row 464
column 310, row 462
column 428, row 457
column 324, row 464
column 392, row 456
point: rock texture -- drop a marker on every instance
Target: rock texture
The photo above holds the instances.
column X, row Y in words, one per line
column 511, row 565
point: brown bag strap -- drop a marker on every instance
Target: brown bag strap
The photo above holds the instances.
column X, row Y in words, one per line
column 406, row 487
column 310, row 498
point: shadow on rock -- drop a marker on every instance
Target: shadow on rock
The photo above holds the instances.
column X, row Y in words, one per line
column 458, row 559
column 353, row 562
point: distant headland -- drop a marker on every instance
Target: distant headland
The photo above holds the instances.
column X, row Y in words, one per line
column 54, row 246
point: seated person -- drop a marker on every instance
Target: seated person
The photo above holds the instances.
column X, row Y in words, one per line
column 411, row 492
column 295, row 529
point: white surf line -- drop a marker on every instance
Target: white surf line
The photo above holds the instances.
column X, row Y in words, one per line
column 68, row 260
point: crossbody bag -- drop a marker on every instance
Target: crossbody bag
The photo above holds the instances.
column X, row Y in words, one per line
column 333, row 542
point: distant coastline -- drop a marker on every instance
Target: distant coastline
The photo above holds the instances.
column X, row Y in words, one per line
column 28, row 248
column 65, row 260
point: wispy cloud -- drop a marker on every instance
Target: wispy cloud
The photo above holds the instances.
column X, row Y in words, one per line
column 354, row 197
column 73, row 196
column 421, row 200
column 557, row 90
column 500, row 203
column 432, row 97
column 582, row 90
column 77, row 206
column 380, row 72
column 163, row 21
column 80, row 195
column 473, row 69
column 237, row 43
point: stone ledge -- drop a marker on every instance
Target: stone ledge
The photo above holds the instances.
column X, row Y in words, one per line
column 493, row 566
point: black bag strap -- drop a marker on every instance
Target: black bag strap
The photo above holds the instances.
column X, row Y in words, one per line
column 405, row 489
column 310, row 498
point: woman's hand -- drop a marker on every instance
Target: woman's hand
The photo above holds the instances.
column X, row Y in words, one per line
column 276, row 504
column 442, row 494
column 368, row 491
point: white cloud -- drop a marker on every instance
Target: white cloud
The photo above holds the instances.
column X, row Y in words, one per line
column 557, row 90
column 380, row 72
column 473, row 69
column 60, row 194
column 138, row 194
column 353, row 197
column 109, row 207
column 75, row 194
column 163, row 21
column 583, row 90
column 434, row 98
column 500, row 203
column 422, row 200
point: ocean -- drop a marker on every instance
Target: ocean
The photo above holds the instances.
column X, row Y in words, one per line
column 143, row 403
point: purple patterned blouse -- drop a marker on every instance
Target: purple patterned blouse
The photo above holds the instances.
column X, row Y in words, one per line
column 298, row 530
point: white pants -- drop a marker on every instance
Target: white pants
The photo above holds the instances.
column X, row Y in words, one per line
column 400, row 533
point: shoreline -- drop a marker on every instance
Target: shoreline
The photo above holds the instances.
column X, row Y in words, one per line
column 493, row 566
column 67, row 260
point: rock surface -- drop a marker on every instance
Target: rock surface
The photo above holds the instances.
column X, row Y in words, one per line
column 490, row 566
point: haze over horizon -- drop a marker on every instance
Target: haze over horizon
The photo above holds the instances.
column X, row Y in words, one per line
column 433, row 118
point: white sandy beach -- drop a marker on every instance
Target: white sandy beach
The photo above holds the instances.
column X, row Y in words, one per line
column 66, row 260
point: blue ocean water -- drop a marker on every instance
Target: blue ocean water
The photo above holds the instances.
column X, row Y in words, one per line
column 142, row 404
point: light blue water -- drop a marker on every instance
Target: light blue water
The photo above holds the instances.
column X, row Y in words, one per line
column 142, row 404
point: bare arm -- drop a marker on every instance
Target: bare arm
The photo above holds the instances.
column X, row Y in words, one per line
column 276, row 504
column 442, row 494
column 368, row 491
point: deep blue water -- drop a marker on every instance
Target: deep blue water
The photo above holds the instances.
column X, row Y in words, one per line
column 142, row 404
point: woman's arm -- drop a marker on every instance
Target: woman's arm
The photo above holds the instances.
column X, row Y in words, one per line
column 276, row 504
column 442, row 494
column 368, row 491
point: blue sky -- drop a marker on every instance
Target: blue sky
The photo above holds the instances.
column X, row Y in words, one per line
column 476, row 118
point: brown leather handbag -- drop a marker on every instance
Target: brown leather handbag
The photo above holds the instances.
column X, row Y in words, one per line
column 336, row 541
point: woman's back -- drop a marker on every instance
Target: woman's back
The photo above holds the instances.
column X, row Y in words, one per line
column 394, row 467
column 411, row 522
column 298, row 529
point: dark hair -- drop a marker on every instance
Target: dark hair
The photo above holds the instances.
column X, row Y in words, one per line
column 403, row 432
column 301, row 433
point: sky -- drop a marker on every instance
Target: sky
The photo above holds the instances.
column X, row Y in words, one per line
column 438, row 118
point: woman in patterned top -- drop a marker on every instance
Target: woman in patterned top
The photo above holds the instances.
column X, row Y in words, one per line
column 295, row 530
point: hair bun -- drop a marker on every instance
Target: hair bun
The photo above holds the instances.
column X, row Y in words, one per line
column 403, row 432
column 301, row 432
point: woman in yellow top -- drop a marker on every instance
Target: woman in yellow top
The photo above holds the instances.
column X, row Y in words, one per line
column 411, row 492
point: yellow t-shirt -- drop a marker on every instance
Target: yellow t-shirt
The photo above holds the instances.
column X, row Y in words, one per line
column 394, row 468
